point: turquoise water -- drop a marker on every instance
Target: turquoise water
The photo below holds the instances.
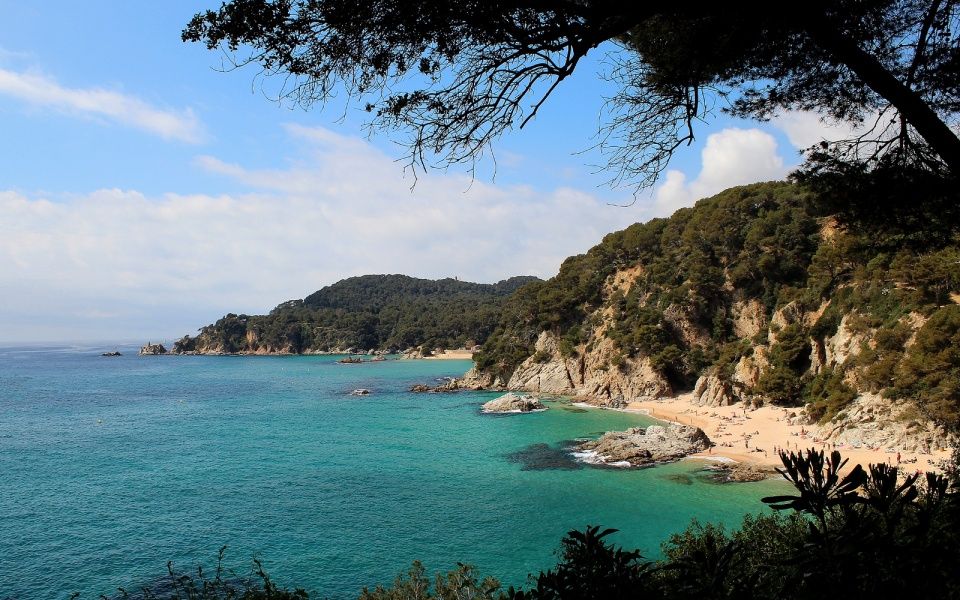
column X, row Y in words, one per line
column 112, row 466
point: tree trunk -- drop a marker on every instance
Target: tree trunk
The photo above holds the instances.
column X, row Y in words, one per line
column 911, row 105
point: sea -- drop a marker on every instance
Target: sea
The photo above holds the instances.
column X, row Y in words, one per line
column 111, row 467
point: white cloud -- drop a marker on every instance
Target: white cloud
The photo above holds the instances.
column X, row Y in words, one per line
column 806, row 128
column 42, row 91
column 117, row 261
column 730, row 157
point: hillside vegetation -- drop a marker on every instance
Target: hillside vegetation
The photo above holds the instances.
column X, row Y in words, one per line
column 368, row 312
column 753, row 295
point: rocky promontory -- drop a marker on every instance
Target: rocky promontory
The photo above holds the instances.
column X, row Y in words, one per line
column 643, row 446
column 513, row 403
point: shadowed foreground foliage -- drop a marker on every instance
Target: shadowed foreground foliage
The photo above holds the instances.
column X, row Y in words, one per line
column 222, row 585
column 863, row 533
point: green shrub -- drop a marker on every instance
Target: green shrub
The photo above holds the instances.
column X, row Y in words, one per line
column 826, row 394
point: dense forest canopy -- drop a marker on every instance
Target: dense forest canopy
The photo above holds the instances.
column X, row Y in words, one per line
column 363, row 313
column 452, row 75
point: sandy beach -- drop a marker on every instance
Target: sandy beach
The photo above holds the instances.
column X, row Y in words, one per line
column 753, row 435
column 459, row 354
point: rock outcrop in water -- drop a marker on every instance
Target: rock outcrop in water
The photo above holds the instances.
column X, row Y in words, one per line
column 150, row 349
column 642, row 446
column 451, row 384
column 513, row 403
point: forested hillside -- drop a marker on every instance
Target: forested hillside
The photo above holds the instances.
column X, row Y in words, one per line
column 757, row 294
column 368, row 312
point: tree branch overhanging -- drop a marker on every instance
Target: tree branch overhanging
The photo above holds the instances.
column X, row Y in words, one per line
column 456, row 74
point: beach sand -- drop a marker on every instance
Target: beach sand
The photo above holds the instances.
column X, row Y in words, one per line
column 738, row 434
column 460, row 354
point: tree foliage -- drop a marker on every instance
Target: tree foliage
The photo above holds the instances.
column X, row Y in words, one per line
column 454, row 74
column 460, row 584
column 368, row 312
column 930, row 371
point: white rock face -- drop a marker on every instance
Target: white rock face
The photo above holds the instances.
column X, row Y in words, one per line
column 710, row 390
column 844, row 344
column 590, row 375
column 749, row 368
column 749, row 317
column 877, row 422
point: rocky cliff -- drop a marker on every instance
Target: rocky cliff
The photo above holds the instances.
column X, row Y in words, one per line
column 749, row 297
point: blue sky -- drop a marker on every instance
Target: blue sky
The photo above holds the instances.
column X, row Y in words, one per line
column 144, row 193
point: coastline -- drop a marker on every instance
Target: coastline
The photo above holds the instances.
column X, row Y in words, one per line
column 751, row 435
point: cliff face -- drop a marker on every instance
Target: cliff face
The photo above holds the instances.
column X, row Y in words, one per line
column 749, row 297
column 589, row 375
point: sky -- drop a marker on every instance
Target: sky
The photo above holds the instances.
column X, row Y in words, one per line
column 146, row 191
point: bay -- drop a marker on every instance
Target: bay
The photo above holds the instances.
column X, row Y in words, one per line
column 110, row 467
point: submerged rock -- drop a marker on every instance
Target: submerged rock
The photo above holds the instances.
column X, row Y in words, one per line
column 642, row 446
column 544, row 457
column 740, row 472
column 360, row 392
column 513, row 403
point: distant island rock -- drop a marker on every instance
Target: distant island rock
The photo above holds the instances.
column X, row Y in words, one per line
column 643, row 446
column 114, row 353
column 150, row 349
column 513, row 403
